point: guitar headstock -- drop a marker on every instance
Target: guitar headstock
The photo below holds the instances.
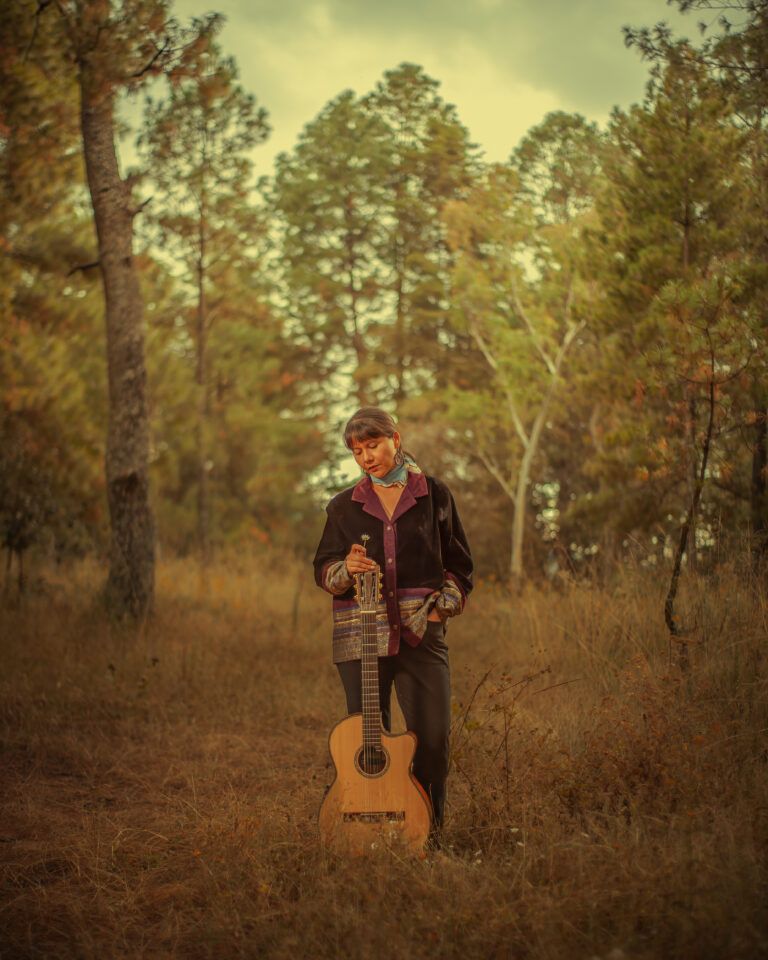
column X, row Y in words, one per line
column 368, row 585
column 368, row 589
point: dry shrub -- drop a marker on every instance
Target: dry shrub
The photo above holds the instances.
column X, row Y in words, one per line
column 643, row 749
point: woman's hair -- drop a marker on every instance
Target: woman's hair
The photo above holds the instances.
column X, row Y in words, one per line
column 367, row 424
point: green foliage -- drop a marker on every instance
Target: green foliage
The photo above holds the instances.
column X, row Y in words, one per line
column 431, row 164
column 224, row 338
column 39, row 123
column 518, row 291
column 389, row 265
column 52, row 375
column 53, row 389
column 558, row 163
column 364, row 256
column 196, row 144
column 673, row 318
column 329, row 199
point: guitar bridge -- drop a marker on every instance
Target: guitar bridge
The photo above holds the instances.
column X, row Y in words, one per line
column 373, row 816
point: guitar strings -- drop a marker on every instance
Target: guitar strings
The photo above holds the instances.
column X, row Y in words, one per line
column 371, row 720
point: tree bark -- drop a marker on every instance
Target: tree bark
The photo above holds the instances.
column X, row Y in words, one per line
column 399, row 394
column 523, row 480
column 759, row 489
column 130, row 584
column 693, row 479
column 358, row 340
column 529, row 442
column 675, row 631
column 399, row 342
column 203, row 476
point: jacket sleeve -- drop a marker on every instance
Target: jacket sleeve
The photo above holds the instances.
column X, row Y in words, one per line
column 330, row 569
column 457, row 559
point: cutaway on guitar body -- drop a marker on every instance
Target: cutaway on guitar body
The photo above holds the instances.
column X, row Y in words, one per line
column 361, row 809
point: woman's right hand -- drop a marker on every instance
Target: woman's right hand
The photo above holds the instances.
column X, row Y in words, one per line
column 357, row 561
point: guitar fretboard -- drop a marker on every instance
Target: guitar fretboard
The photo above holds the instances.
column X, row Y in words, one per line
column 370, row 677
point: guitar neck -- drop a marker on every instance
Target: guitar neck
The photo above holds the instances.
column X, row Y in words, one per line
column 370, row 678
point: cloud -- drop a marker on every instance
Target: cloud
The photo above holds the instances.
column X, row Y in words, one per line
column 503, row 63
column 496, row 106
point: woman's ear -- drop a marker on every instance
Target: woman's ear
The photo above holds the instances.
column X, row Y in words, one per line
column 396, row 440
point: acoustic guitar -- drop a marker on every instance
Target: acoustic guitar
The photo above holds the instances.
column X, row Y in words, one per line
column 374, row 795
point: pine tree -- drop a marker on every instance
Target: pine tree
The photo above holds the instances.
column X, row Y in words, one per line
column 668, row 263
column 117, row 47
column 329, row 198
column 431, row 163
column 196, row 143
column 366, row 263
column 735, row 52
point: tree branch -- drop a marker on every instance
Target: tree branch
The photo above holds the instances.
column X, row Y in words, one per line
column 83, row 267
column 516, row 420
column 531, row 330
column 159, row 51
column 492, row 363
column 483, row 346
column 492, row 467
column 669, row 604
column 40, row 9
column 570, row 336
column 737, row 492
column 137, row 210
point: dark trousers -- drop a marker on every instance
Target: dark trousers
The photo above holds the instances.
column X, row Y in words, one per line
column 421, row 676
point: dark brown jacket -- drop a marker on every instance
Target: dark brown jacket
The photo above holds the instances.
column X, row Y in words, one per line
column 422, row 546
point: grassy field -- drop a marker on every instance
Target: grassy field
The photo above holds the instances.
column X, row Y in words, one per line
column 160, row 787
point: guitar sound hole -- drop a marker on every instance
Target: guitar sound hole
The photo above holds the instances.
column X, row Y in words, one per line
column 371, row 760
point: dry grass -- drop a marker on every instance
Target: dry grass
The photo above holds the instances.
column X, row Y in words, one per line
column 160, row 787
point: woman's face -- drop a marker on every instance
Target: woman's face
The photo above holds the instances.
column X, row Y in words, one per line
column 376, row 455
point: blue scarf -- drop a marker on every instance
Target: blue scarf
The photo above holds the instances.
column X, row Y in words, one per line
column 398, row 476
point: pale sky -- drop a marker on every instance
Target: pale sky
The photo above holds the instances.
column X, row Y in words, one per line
column 504, row 64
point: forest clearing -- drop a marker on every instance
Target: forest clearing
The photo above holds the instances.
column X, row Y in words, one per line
column 571, row 341
column 160, row 791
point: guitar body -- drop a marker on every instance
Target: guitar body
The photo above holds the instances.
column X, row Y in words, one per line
column 386, row 803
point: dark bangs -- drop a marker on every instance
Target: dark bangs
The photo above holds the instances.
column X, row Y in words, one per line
column 368, row 424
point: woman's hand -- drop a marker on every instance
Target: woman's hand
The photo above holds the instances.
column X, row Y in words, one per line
column 357, row 561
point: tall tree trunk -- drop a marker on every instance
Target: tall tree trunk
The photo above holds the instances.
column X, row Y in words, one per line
column 524, row 478
column 692, row 478
column 203, row 473
column 358, row 340
column 530, row 442
column 399, row 394
column 759, row 489
column 676, row 632
column 399, row 343
column 131, row 581
column 758, row 499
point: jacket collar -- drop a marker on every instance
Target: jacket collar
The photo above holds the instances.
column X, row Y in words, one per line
column 416, row 486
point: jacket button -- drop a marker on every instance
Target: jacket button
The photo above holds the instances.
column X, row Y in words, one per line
column 389, row 559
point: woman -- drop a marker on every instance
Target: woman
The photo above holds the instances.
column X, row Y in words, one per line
column 414, row 534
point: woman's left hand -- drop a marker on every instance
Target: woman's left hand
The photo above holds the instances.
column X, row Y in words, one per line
column 434, row 616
